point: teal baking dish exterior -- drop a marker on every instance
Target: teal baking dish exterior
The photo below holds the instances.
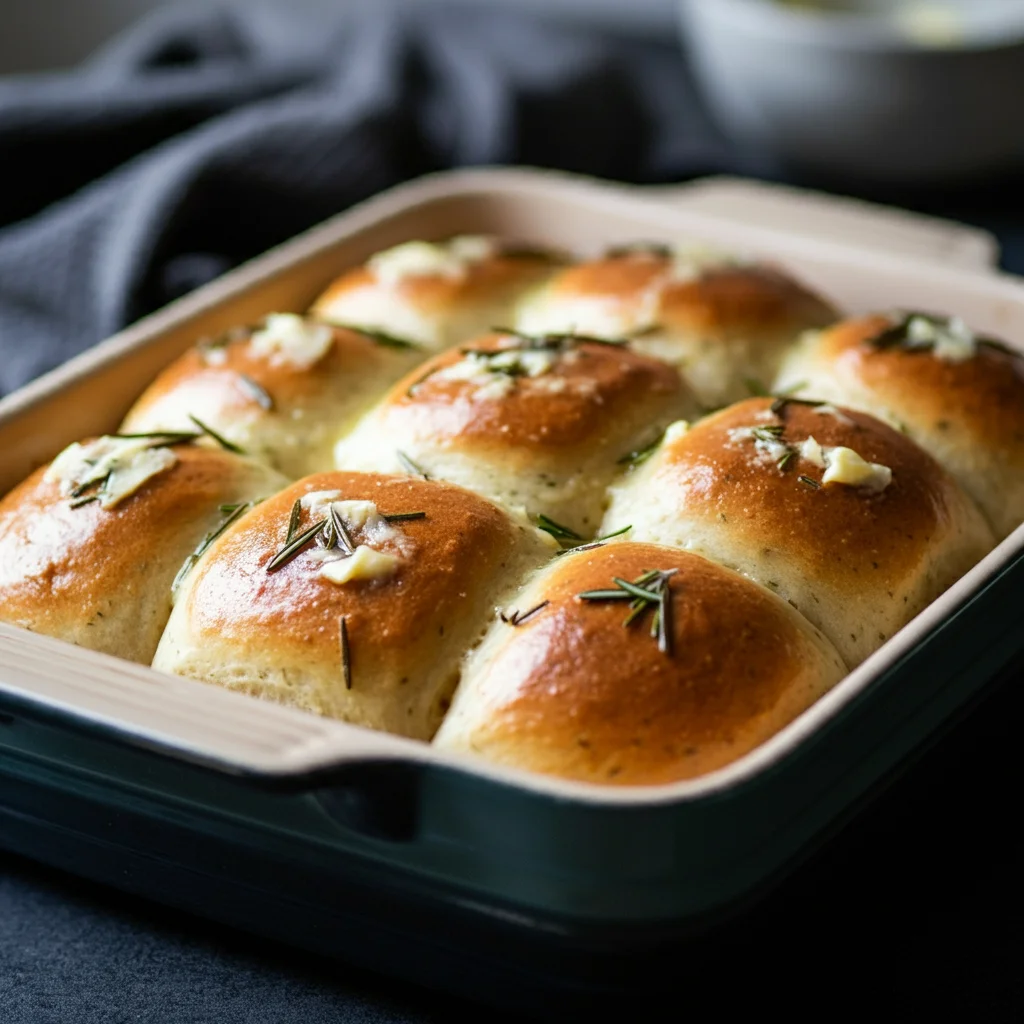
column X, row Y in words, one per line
column 442, row 869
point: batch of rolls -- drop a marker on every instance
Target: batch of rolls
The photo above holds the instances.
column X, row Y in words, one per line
column 617, row 520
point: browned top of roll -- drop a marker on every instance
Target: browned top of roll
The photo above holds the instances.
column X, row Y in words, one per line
column 48, row 549
column 599, row 383
column 462, row 539
column 438, row 293
column 579, row 693
column 850, row 536
column 219, row 381
column 984, row 393
column 722, row 300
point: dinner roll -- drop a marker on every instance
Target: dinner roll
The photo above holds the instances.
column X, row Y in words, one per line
column 725, row 324
column 436, row 294
column 90, row 545
column 374, row 637
column 282, row 391
column 958, row 395
column 564, row 686
column 838, row 513
column 535, row 422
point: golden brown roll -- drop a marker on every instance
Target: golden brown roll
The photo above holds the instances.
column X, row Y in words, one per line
column 724, row 324
column 90, row 545
column 958, row 395
column 436, row 294
column 282, row 391
column 538, row 423
column 564, row 686
column 374, row 637
column 846, row 518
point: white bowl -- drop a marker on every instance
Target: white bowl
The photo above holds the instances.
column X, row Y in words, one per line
column 859, row 95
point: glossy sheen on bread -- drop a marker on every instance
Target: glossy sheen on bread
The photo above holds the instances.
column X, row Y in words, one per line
column 436, row 294
column 724, row 324
column 101, row 577
column 859, row 559
column 567, row 689
column 958, row 395
column 282, row 391
column 276, row 633
column 540, row 423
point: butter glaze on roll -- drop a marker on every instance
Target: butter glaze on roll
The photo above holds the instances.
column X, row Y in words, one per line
column 436, row 294
column 101, row 577
column 859, row 558
column 538, row 423
column 958, row 395
column 417, row 593
column 723, row 323
column 282, row 391
column 570, row 691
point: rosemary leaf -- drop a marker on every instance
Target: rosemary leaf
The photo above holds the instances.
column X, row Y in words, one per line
column 641, row 455
column 381, row 338
column 340, row 531
column 293, row 520
column 636, row 591
column 346, row 654
column 399, row 517
column 557, row 530
column 786, row 459
column 231, row 514
column 658, row 249
column 162, row 438
column 810, row 482
column 294, row 546
column 517, row 618
column 604, row 595
column 221, row 440
column 88, row 499
column 410, row 467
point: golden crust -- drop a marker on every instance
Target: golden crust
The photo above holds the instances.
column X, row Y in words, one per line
column 462, row 543
column 74, row 573
column 437, row 294
column 573, row 692
column 722, row 301
column 598, row 386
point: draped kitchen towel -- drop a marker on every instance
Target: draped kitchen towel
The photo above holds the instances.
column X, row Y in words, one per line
column 206, row 135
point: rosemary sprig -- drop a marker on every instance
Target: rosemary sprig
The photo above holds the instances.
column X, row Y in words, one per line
column 651, row 590
column 256, row 392
column 87, row 500
column 411, row 467
column 641, row 455
column 517, row 618
column 400, row 517
column 898, row 335
column 344, row 538
column 557, row 530
column 293, row 520
column 231, row 514
column 295, row 545
column 595, row 543
column 381, row 338
column 220, row 439
column 768, row 434
column 785, row 459
column 161, row 438
column 346, row 654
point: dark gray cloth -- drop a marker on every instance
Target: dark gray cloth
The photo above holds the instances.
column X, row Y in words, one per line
column 204, row 137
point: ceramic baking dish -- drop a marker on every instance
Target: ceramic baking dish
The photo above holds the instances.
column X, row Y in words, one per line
column 439, row 867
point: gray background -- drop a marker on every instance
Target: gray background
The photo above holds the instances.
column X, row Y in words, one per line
column 41, row 34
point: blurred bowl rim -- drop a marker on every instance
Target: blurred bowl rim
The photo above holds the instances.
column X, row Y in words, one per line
column 854, row 30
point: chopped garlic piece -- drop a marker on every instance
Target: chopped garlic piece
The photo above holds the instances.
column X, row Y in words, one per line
column 536, row 363
column 496, row 388
column 953, row 342
column 845, row 466
column 676, row 430
column 288, row 338
column 812, row 452
column 427, row 259
column 363, row 564
column 119, row 466
column 126, row 478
